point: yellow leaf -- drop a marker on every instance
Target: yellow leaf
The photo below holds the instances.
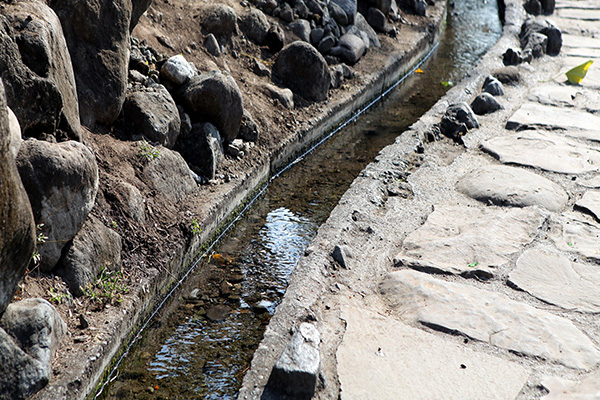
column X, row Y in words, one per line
column 576, row 75
column 419, row 71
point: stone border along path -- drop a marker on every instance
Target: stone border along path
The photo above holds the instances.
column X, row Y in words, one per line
column 445, row 294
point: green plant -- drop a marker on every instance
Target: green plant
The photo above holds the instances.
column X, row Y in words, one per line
column 57, row 296
column 473, row 264
column 108, row 287
column 40, row 237
column 147, row 151
column 196, row 230
column 114, row 224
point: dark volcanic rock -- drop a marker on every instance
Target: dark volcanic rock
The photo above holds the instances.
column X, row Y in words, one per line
column 20, row 374
column 349, row 7
column 530, row 31
column 17, row 230
column 275, row 38
column 169, row 176
column 203, row 149
column 97, row 34
column 508, row 75
column 376, row 18
column 139, row 8
column 255, row 26
column 36, row 68
column 37, row 328
column 301, row 28
column 94, row 247
column 349, row 49
column 152, row 113
column 61, row 181
column 220, row 20
column 249, row 130
column 301, row 68
column 216, row 98
column 485, row 103
column 493, row 86
column 459, row 118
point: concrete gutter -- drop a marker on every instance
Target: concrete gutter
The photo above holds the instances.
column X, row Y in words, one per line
column 317, row 285
column 89, row 369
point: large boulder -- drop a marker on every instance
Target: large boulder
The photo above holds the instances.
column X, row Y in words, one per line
column 97, row 34
column 300, row 67
column 219, row 19
column 21, row 375
column 37, row 328
column 14, row 129
column 152, row 113
column 255, row 26
column 139, row 7
column 17, row 230
column 169, row 176
column 203, row 149
column 94, row 247
column 349, row 7
column 36, row 68
column 216, row 98
column 350, row 49
column 61, row 181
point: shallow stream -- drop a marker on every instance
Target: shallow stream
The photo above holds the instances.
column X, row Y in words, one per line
column 202, row 342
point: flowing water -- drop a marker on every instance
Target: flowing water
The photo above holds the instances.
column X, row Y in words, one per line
column 202, row 342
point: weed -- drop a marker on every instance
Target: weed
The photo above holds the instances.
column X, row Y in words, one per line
column 108, row 288
column 147, row 151
column 57, row 297
column 196, row 230
column 40, row 237
column 114, row 224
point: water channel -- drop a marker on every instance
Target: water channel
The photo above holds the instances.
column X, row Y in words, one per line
column 202, row 342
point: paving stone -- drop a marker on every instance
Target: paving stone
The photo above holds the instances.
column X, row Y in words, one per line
column 554, row 95
column 535, row 115
column 581, row 14
column 592, row 183
column 382, row 358
column 574, row 233
column 554, row 278
column 581, row 52
column 469, row 240
column 591, row 202
column 503, row 185
column 580, row 41
column 489, row 317
column 544, row 150
column 562, row 389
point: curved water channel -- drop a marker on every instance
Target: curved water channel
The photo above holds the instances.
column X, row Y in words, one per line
column 202, row 342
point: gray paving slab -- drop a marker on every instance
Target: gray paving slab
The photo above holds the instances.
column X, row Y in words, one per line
column 575, row 233
column 570, row 40
column 592, row 183
column 581, row 52
column 552, row 277
column 555, row 95
column 580, row 14
column 383, row 358
column 591, row 202
column 548, row 151
column 536, row 115
column 489, row 317
column 510, row 186
column 562, row 389
column 581, row 4
column 469, row 240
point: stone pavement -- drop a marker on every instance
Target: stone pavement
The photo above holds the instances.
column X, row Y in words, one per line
column 484, row 283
